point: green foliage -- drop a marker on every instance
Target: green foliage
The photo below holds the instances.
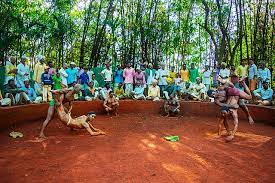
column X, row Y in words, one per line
column 123, row 31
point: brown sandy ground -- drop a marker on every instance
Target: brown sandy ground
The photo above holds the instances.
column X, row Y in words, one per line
column 134, row 151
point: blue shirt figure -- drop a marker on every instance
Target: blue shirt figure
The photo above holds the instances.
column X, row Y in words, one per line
column 84, row 78
column 265, row 94
column 72, row 75
column 30, row 92
column 206, row 77
column 264, row 74
column 170, row 89
column 119, row 76
column 139, row 90
column 252, row 71
column 46, row 78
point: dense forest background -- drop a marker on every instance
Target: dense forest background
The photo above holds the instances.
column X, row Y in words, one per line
column 119, row 31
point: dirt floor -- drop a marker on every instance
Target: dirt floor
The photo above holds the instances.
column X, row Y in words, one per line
column 134, row 151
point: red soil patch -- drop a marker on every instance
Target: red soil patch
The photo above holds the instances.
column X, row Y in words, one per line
column 134, row 151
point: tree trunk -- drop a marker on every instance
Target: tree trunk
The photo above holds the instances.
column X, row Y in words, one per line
column 87, row 20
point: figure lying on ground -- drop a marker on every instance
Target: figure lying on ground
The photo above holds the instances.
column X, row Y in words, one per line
column 80, row 122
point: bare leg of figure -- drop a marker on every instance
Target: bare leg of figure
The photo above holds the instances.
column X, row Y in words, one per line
column 92, row 133
column 12, row 99
column 221, row 122
column 247, row 113
column 20, row 101
column 236, row 123
column 108, row 111
column 266, row 103
column 46, row 122
column 246, row 94
column 168, row 114
column 166, row 110
column 225, row 123
column 115, row 108
column 202, row 97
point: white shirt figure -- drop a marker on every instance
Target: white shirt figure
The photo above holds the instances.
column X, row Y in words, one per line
column 156, row 75
column 107, row 73
column 64, row 76
column 197, row 90
column 23, row 74
column 150, row 77
column 206, row 77
column 178, row 81
column 161, row 73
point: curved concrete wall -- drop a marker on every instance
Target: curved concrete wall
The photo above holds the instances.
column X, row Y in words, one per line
column 38, row 112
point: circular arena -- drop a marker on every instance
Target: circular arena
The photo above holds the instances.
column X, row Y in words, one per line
column 133, row 149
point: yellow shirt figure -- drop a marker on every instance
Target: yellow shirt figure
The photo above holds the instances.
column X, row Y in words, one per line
column 154, row 91
column 119, row 91
column 184, row 74
column 172, row 75
column 39, row 69
column 242, row 71
column 9, row 68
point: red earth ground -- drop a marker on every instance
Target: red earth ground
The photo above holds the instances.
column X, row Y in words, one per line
column 134, row 151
